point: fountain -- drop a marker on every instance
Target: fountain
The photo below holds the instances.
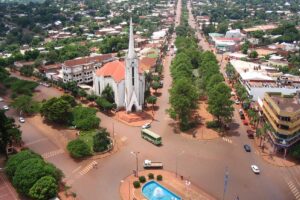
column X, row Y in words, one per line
column 155, row 191
column 158, row 192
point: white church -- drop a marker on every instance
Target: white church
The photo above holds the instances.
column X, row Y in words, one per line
column 125, row 78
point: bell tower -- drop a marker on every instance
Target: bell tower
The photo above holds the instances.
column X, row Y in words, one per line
column 134, row 92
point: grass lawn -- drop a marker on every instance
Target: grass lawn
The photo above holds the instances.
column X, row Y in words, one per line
column 87, row 137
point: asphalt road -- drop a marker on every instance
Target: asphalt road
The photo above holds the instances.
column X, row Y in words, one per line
column 203, row 162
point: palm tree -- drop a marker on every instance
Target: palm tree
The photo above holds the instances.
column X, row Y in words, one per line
column 254, row 117
column 261, row 132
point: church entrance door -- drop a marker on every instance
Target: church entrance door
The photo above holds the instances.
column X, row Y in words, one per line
column 133, row 108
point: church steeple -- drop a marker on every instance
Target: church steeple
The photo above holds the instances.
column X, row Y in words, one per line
column 131, row 52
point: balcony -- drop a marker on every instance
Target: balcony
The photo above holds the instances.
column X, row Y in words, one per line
column 293, row 124
column 276, row 128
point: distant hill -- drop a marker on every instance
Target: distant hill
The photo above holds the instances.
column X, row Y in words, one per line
column 21, row 1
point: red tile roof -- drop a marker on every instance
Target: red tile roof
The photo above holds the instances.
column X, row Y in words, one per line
column 115, row 69
column 86, row 60
column 147, row 63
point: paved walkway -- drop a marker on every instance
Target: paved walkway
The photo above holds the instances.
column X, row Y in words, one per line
column 7, row 192
column 179, row 185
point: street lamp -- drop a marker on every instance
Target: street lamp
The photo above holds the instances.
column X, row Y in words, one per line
column 187, row 183
column 136, row 153
column 122, row 181
column 182, row 152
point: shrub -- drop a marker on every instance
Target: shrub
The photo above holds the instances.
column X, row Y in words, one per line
column 136, row 184
column 213, row 124
column 151, row 176
column 78, row 149
column 45, row 188
column 15, row 160
column 29, row 172
column 142, row 179
column 159, row 178
column 101, row 141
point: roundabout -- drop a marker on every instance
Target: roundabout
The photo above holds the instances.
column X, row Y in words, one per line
column 160, row 184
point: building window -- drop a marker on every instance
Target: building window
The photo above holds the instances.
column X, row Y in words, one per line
column 99, row 87
column 132, row 76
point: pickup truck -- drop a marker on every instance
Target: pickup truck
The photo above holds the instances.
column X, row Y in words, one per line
column 148, row 164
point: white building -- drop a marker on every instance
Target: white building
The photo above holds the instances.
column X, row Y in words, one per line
column 236, row 33
column 259, row 79
column 125, row 78
column 81, row 69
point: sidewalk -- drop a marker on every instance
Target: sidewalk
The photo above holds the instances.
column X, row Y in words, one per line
column 7, row 191
column 273, row 159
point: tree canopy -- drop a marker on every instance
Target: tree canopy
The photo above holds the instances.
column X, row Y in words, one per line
column 56, row 110
column 9, row 132
column 85, row 118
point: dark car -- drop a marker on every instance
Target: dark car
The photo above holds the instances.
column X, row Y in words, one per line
column 250, row 134
column 247, row 148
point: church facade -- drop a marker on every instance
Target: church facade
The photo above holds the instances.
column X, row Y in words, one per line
column 125, row 78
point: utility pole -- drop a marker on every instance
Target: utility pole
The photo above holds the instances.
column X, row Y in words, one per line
column 182, row 152
column 225, row 182
column 136, row 153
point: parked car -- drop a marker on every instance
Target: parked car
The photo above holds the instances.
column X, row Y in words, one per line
column 148, row 125
column 1, row 99
column 247, row 148
column 21, row 119
column 242, row 114
column 237, row 102
column 5, row 107
column 161, row 84
column 250, row 134
column 245, row 122
column 255, row 169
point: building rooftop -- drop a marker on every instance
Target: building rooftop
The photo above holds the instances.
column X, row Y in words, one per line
column 288, row 103
column 261, row 28
column 86, row 60
column 115, row 69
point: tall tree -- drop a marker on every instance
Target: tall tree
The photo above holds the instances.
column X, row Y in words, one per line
column 25, row 104
column 183, row 99
column 56, row 110
column 219, row 103
column 9, row 132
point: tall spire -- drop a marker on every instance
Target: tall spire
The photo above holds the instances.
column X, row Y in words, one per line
column 131, row 53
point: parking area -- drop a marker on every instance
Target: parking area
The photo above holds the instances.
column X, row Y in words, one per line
column 6, row 190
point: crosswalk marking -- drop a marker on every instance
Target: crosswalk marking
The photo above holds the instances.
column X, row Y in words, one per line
column 227, row 140
column 293, row 189
column 36, row 141
column 52, row 153
column 88, row 168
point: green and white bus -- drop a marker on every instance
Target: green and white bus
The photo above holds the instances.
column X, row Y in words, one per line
column 151, row 137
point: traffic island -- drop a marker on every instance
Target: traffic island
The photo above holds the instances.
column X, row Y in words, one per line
column 201, row 132
column 156, row 183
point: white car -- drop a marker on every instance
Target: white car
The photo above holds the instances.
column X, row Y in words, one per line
column 1, row 99
column 255, row 169
column 148, row 125
column 21, row 119
column 5, row 107
column 237, row 102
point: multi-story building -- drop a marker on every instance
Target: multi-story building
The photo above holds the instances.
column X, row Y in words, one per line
column 283, row 114
column 81, row 69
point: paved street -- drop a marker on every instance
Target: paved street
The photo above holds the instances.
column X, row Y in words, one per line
column 203, row 162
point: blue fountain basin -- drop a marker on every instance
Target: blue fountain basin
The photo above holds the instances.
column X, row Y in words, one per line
column 154, row 191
